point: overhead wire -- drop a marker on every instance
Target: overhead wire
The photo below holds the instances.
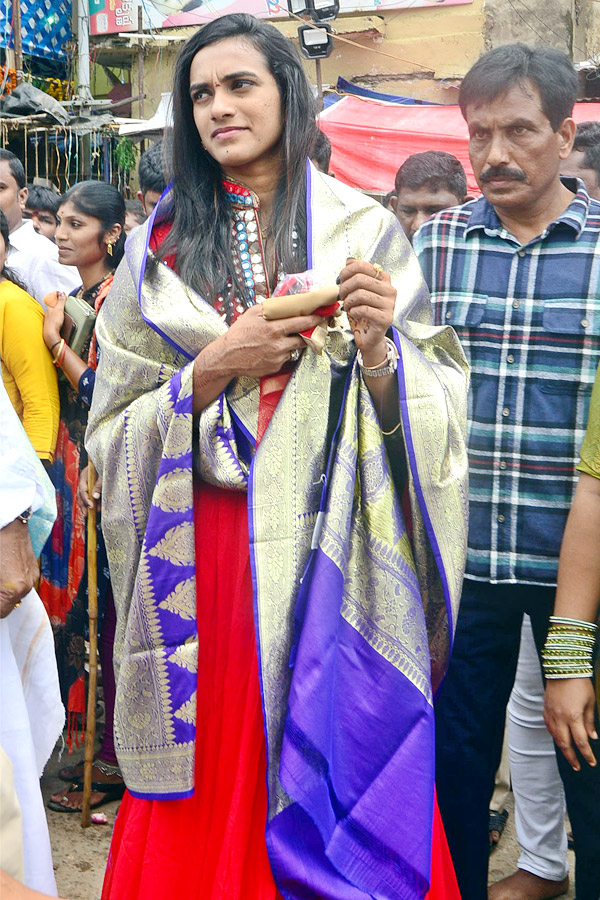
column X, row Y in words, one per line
column 338, row 37
column 352, row 43
column 551, row 30
column 523, row 19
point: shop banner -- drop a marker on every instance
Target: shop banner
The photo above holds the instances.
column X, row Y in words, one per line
column 113, row 16
column 168, row 13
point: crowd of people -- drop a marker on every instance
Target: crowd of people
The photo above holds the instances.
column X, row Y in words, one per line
column 348, row 496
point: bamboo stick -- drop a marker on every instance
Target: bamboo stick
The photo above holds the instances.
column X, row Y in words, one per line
column 90, row 723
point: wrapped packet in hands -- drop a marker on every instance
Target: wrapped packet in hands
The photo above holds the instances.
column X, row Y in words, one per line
column 296, row 295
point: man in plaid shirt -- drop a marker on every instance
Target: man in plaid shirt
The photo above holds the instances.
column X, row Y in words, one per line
column 517, row 273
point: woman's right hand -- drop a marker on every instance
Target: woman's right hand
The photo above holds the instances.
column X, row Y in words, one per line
column 83, row 498
column 252, row 346
column 255, row 346
column 54, row 317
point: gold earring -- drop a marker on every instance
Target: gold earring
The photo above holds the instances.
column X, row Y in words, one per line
column 109, row 247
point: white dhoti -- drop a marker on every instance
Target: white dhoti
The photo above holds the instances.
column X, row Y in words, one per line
column 31, row 720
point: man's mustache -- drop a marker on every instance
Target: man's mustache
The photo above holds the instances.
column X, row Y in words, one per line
column 501, row 172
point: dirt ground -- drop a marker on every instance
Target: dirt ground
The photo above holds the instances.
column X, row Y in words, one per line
column 80, row 854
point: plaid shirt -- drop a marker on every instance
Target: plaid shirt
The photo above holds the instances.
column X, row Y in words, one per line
column 529, row 321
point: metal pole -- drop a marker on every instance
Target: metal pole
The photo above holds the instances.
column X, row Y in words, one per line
column 140, row 56
column 17, row 39
column 90, row 722
column 83, row 62
column 319, row 85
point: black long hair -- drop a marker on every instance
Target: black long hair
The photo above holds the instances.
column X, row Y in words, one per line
column 202, row 215
column 5, row 272
column 105, row 203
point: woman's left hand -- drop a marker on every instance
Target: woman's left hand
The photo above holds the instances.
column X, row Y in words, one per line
column 369, row 299
column 54, row 318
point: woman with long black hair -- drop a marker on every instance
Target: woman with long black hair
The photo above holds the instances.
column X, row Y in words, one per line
column 274, row 718
column 90, row 236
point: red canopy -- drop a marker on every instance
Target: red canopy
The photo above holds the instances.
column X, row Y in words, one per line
column 372, row 138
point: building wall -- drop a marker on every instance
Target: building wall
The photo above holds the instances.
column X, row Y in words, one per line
column 420, row 53
column 427, row 45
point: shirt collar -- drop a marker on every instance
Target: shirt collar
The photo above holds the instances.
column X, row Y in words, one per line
column 484, row 216
column 21, row 236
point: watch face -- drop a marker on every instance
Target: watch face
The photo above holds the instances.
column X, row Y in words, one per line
column 25, row 516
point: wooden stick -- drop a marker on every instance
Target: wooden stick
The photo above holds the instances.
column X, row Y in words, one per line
column 90, row 723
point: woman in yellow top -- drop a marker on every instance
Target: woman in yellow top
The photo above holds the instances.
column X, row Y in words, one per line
column 27, row 370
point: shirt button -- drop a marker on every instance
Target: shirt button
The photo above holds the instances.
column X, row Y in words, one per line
column 510, row 358
column 516, row 304
column 448, row 315
column 501, row 518
column 584, row 323
column 506, row 411
column 522, row 253
column 502, row 464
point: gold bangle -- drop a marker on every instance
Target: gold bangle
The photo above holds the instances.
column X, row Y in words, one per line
column 56, row 356
column 393, row 431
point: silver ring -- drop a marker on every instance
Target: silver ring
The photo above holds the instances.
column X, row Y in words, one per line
column 294, row 355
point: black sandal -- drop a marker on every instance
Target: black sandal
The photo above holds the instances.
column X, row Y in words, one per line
column 497, row 822
column 111, row 792
column 71, row 773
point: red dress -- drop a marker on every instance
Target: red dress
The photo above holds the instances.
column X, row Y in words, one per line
column 211, row 846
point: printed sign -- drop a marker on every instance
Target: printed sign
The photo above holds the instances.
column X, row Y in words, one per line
column 112, row 16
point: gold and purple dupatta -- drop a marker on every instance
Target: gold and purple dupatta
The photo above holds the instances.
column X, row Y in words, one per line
column 353, row 619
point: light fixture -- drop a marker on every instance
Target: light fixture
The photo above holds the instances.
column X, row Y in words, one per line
column 298, row 7
column 323, row 10
column 316, row 42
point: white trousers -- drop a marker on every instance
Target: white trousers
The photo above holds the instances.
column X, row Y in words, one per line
column 31, row 720
column 536, row 783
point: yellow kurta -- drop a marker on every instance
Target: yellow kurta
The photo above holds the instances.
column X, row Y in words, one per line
column 28, row 374
column 590, row 449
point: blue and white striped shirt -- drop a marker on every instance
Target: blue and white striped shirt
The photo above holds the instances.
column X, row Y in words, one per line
column 528, row 317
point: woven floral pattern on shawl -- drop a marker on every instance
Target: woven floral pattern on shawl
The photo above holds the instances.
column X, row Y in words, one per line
column 140, row 437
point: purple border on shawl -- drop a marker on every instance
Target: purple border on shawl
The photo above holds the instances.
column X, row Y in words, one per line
column 418, row 489
column 357, row 757
column 182, row 795
column 334, row 839
column 131, row 260
column 251, row 438
column 309, row 217
column 165, row 574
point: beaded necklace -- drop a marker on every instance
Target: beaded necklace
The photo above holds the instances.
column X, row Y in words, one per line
column 249, row 255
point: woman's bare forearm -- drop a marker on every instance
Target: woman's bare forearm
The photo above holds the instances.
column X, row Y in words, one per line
column 211, row 376
column 73, row 367
column 578, row 591
column 384, row 393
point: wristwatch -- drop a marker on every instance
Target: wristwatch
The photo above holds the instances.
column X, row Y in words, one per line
column 25, row 516
column 387, row 367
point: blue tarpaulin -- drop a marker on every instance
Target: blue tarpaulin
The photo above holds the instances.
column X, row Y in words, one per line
column 45, row 27
column 347, row 87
